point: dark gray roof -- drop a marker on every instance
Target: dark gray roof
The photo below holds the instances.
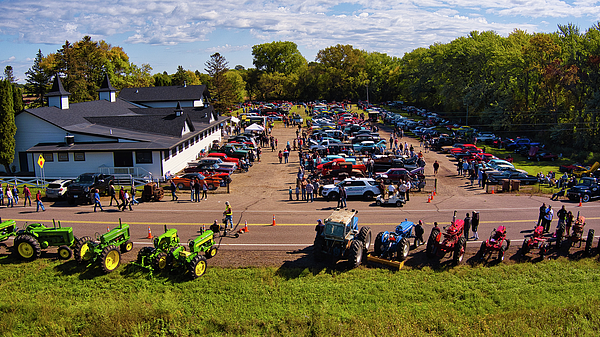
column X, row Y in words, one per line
column 57, row 88
column 164, row 94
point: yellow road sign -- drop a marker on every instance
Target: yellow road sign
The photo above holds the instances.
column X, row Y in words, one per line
column 41, row 161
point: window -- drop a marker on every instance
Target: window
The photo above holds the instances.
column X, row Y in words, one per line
column 166, row 154
column 186, row 144
column 63, row 156
column 79, row 156
column 180, row 148
column 143, row 157
column 174, row 152
column 48, row 156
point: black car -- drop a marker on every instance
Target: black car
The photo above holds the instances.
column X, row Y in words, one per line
column 82, row 188
column 525, row 179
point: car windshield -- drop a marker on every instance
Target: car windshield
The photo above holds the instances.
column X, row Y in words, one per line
column 85, row 179
column 53, row 185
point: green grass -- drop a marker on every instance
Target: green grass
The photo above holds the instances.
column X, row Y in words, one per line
column 550, row 298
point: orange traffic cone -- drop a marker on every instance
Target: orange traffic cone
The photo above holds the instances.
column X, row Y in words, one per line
column 203, row 228
column 580, row 201
column 274, row 224
column 428, row 199
column 493, row 190
column 434, row 192
column 107, row 229
column 431, row 195
column 246, row 226
column 149, row 234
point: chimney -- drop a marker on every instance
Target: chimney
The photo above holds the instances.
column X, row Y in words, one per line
column 69, row 139
column 58, row 97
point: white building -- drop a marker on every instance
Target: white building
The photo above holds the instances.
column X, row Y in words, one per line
column 145, row 131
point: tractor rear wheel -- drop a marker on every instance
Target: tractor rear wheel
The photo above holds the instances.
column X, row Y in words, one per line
column 211, row 252
column 160, row 261
column 27, row 247
column 377, row 244
column 365, row 237
column 403, row 248
column 197, row 266
column 64, row 252
column 83, row 249
column 126, row 246
column 430, row 250
column 459, row 250
column 589, row 241
column 110, row 258
column 525, row 247
column 356, row 253
column 144, row 252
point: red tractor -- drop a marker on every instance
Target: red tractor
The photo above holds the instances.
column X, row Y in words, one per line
column 536, row 241
column 496, row 243
column 453, row 241
column 568, row 240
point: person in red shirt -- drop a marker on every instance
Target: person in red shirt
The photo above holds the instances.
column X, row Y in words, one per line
column 38, row 200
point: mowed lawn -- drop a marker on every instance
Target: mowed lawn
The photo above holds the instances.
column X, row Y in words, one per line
column 547, row 298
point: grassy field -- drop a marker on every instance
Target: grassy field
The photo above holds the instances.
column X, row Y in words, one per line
column 548, row 298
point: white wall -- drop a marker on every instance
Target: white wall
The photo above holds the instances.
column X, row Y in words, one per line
column 180, row 161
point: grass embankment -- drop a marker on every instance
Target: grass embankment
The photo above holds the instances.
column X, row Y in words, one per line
column 558, row 298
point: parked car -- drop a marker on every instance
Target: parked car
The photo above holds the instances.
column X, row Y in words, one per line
column 58, row 188
column 588, row 188
column 365, row 187
column 525, row 179
column 183, row 182
column 80, row 189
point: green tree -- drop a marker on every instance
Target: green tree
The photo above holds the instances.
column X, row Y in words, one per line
column 343, row 74
column 38, row 78
column 8, row 74
column 281, row 56
column 8, row 129
column 221, row 89
column 184, row 77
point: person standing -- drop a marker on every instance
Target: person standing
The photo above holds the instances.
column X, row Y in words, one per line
column 569, row 222
column 291, row 193
column 15, row 195
column 408, row 187
column 204, row 190
column 126, row 201
column 192, row 189
column 309, row 191
column 1, row 196
column 436, row 167
column 467, row 226
column 97, row 200
column 173, row 191
column 342, row 197
column 316, row 188
column 26, row 196
column 113, row 195
column 228, row 213
column 9, row 197
column 38, row 201
column 548, row 218
column 562, row 216
column 132, row 195
column 542, row 214
column 475, row 225
column 419, row 231
column 484, row 177
column 303, row 185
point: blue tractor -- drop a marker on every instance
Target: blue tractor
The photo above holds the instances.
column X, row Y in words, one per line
column 395, row 245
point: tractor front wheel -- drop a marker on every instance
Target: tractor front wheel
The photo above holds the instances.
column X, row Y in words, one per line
column 197, row 266
column 83, row 249
column 356, row 253
column 127, row 246
column 27, row 247
column 402, row 249
column 64, row 252
column 211, row 252
column 589, row 241
column 110, row 258
column 459, row 250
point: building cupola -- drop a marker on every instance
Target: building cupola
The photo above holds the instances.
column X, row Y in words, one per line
column 107, row 91
column 58, row 96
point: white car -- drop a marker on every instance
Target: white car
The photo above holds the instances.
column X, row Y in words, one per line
column 485, row 137
column 365, row 187
column 58, row 188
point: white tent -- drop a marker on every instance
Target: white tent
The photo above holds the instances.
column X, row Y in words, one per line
column 235, row 120
column 255, row 127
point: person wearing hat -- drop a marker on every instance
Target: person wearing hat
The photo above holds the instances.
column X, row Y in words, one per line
column 320, row 228
column 228, row 213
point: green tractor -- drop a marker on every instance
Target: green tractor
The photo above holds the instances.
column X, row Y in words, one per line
column 8, row 228
column 30, row 241
column 106, row 248
column 167, row 253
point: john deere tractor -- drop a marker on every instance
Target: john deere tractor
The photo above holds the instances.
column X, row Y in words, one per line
column 167, row 253
column 30, row 241
column 8, row 228
column 106, row 248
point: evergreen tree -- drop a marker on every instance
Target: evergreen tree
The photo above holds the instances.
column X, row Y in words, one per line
column 37, row 80
column 221, row 88
column 7, row 125
column 8, row 74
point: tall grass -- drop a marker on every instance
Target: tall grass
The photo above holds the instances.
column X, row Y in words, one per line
column 47, row 298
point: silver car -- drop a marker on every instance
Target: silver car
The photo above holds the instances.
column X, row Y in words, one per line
column 58, row 188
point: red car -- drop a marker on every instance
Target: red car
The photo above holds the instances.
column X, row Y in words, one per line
column 224, row 157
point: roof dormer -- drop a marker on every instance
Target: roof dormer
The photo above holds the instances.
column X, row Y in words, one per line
column 107, row 91
column 58, row 96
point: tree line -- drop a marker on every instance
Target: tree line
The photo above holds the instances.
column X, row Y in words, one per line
column 543, row 85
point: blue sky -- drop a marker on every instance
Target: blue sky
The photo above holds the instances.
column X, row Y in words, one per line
column 169, row 33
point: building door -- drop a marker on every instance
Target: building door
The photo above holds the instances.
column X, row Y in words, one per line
column 23, row 165
column 123, row 158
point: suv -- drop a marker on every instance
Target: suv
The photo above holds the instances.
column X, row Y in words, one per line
column 365, row 187
column 57, row 189
column 80, row 191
